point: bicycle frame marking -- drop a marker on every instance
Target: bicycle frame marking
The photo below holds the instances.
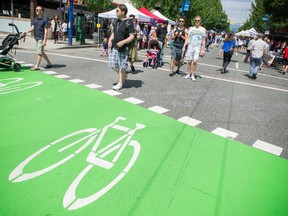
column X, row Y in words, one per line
column 94, row 158
column 10, row 86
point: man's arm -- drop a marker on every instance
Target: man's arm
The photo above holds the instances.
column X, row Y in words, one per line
column 45, row 37
column 110, row 40
column 30, row 29
column 127, row 40
column 186, row 42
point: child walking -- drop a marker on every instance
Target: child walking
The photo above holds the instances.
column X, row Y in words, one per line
column 105, row 47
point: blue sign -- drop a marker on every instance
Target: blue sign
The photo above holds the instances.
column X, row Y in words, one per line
column 186, row 5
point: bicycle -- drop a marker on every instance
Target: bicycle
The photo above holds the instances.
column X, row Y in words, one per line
column 8, row 85
column 95, row 158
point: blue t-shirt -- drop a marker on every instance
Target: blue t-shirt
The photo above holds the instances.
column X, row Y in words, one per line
column 228, row 44
column 40, row 23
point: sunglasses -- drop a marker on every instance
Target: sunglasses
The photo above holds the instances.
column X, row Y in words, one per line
column 197, row 20
column 181, row 21
column 117, row 11
column 38, row 9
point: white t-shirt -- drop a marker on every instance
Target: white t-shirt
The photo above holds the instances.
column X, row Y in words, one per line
column 257, row 48
column 195, row 36
column 64, row 27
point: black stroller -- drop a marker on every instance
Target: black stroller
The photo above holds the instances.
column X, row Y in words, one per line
column 7, row 45
column 153, row 55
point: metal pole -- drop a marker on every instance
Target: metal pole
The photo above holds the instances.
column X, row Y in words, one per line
column 70, row 31
column 12, row 13
column 98, row 33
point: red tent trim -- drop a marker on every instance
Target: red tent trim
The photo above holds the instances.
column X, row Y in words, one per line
column 149, row 13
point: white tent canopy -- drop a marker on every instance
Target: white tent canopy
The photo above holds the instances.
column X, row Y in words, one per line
column 131, row 10
column 248, row 33
column 157, row 13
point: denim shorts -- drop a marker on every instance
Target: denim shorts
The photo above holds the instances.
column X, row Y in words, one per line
column 176, row 53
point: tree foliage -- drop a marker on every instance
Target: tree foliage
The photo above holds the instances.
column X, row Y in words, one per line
column 211, row 11
column 274, row 10
column 98, row 5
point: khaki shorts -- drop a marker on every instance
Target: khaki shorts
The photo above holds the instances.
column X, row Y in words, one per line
column 39, row 47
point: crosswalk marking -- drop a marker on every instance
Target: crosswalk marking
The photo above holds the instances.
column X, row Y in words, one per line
column 133, row 100
column 76, row 80
column 189, row 121
column 112, row 92
column 93, row 86
column 62, row 76
column 158, row 109
column 225, row 133
column 276, row 150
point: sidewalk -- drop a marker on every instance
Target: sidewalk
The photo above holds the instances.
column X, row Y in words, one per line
column 31, row 44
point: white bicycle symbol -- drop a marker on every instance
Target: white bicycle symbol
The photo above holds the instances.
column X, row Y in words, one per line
column 10, row 85
column 94, row 158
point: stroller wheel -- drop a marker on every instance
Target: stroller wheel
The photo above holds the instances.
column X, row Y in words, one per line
column 16, row 67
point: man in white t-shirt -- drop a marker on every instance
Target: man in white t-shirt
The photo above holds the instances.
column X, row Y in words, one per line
column 257, row 52
column 196, row 41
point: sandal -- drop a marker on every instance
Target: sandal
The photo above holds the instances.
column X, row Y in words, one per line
column 34, row 68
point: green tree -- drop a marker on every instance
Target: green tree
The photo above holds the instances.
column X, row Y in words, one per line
column 98, row 5
column 211, row 11
column 276, row 11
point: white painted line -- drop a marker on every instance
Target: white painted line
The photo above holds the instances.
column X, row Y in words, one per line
column 225, row 133
column 28, row 65
column 236, row 54
column 133, row 100
column 20, row 62
column 237, row 65
column 112, row 92
column 76, row 80
column 158, row 109
column 50, row 72
column 189, row 121
column 267, row 147
column 62, row 76
column 93, row 86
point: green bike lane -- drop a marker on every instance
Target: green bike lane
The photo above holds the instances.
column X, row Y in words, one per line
column 166, row 168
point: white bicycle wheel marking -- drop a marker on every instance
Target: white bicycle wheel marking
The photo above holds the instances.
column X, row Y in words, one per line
column 10, row 85
column 94, row 158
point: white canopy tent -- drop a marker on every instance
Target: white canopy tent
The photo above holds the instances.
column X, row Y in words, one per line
column 157, row 13
column 131, row 10
column 248, row 33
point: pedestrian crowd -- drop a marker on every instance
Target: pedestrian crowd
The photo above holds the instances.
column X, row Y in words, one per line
column 125, row 36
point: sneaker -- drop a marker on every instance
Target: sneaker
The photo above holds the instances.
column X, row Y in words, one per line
column 171, row 74
column 47, row 66
column 187, row 76
column 118, row 86
column 177, row 72
column 193, row 78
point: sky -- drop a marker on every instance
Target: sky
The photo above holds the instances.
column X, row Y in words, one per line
column 237, row 10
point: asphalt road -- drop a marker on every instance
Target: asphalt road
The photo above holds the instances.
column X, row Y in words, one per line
column 252, row 109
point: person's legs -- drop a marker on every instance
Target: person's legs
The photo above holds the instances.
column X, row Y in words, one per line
column 252, row 66
column 122, row 62
column 46, row 59
column 189, row 66
column 227, row 60
column 172, row 62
